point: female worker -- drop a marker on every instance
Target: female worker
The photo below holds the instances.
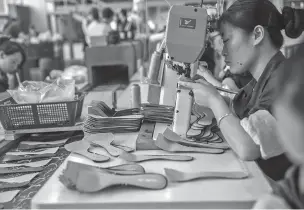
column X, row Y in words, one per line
column 251, row 31
column 12, row 57
column 289, row 112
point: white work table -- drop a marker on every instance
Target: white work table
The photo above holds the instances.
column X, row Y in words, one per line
column 208, row 193
column 219, row 194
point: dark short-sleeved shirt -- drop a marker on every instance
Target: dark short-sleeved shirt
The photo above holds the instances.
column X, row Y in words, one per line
column 240, row 80
column 260, row 95
column 288, row 189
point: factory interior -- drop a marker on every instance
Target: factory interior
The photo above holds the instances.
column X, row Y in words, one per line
column 151, row 104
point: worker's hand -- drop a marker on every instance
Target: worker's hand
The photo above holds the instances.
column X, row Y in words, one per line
column 205, row 94
column 222, row 74
column 231, row 84
column 208, row 76
column 203, row 71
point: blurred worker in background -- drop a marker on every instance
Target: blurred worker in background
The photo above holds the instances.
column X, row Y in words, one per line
column 12, row 28
column 93, row 25
column 289, row 112
column 12, row 57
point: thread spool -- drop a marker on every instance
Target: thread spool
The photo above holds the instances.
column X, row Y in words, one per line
column 154, row 67
column 135, row 96
column 142, row 74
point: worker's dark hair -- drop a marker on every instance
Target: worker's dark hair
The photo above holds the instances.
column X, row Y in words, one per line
column 9, row 47
column 247, row 14
column 124, row 12
column 95, row 13
column 107, row 13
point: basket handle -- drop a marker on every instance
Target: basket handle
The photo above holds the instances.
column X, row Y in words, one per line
column 81, row 97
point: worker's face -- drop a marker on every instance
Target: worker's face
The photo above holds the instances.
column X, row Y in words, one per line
column 290, row 125
column 10, row 63
column 238, row 48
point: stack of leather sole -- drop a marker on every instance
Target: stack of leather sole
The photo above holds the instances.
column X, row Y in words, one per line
column 157, row 113
column 202, row 129
column 103, row 119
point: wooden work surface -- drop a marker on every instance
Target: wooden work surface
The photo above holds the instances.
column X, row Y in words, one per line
column 196, row 194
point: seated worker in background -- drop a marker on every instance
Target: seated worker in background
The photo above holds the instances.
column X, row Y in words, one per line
column 12, row 57
column 122, row 20
column 107, row 18
column 12, row 28
column 124, row 23
column 100, row 27
column 251, row 31
column 93, row 25
column 289, row 112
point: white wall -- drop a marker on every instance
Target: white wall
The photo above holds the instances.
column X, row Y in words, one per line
column 38, row 14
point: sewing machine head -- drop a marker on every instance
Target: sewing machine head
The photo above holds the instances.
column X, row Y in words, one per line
column 186, row 38
column 186, row 33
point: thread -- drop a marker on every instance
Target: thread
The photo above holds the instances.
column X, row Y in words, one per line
column 135, row 96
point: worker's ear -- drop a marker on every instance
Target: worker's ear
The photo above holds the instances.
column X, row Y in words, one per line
column 258, row 34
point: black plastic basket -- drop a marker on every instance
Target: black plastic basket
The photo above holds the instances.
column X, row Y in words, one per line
column 40, row 115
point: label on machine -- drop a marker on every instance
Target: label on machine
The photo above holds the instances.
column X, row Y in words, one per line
column 187, row 23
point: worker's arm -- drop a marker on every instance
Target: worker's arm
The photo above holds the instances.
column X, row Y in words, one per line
column 202, row 71
column 234, row 133
column 78, row 17
column 240, row 141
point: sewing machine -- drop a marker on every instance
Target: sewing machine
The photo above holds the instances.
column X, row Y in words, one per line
column 178, row 55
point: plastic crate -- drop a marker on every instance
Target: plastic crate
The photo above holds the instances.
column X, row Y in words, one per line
column 41, row 115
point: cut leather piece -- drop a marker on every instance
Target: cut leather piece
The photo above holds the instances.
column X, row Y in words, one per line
column 49, row 137
column 193, row 119
column 4, row 171
column 203, row 111
column 50, row 151
column 8, row 196
column 10, row 158
column 170, row 146
column 205, row 121
column 20, row 179
column 124, row 148
column 195, row 127
column 198, row 125
column 178, row 176
column 208, row 134
column 105, row 140
column 27, row 145
column 141, row 158
column 192, row 133
column 76, row 178
column 81, row 148
column 171, row 136
column 32, row 164
column 6, row 186
column 17, row 182
column 120, row 124
column 100, row 108
column 157, row 113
